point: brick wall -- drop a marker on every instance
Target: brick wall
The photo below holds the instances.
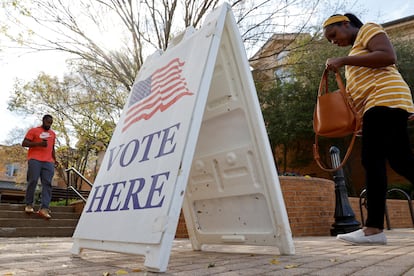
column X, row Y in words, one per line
column 310, row 204
column 181, row 232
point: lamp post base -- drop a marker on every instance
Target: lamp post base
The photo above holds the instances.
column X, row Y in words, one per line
column 345, row 221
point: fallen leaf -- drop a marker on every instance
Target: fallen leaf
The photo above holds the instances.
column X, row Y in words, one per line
column 291, row 266
column 274, row 261
column 121, row 272
column 137, row 270
column 106, row 274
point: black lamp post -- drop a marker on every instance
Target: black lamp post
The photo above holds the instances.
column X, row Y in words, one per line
column 344, row 215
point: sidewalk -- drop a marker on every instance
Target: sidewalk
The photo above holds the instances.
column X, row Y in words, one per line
column 314, row 256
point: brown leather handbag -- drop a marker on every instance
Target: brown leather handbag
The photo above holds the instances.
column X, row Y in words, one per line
column 334, row 116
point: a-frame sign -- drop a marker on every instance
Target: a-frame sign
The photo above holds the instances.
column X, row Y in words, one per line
column 191, row 136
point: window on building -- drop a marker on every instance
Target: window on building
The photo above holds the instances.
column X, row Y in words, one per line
column 282, row 73
column 12, row 169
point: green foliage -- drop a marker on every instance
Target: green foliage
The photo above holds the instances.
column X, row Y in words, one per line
column 405, row 64
column 288, row 106
column 308, row 62
column 405, row 60
column 84, row 107
column 63, row 202
column 286, row 112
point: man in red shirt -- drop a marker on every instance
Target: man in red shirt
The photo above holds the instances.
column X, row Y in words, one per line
column 41, row 162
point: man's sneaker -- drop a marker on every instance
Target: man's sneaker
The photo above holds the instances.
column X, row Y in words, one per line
column 358, row 238
column 29, row 209
column 44, row 213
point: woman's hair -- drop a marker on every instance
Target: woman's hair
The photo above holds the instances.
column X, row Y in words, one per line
column 353, row 20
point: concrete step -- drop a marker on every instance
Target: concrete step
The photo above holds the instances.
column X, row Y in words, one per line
column 14, row 222
column 36, row 232
column 20, row 207
column 22, row 215
column 39, row 222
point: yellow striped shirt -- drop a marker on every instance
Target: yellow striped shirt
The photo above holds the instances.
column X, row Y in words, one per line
column 371, row 87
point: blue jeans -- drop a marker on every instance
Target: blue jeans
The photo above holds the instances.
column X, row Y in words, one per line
column 45, row 171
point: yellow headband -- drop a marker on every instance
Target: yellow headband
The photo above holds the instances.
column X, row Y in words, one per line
column 335, row 19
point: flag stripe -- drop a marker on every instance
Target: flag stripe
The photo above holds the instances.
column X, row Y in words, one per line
column 158, row 88
column 155, row 99
column 145, row 86
column 161, row 107
column 159, row 75
column 156, row 93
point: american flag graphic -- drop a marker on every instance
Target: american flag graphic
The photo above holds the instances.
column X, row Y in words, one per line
column 156, row 93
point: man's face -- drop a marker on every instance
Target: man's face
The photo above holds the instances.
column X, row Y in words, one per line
column 47, row 122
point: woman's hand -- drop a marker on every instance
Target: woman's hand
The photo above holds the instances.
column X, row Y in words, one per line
column 334, row 64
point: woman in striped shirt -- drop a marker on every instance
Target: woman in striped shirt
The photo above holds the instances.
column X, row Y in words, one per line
column 384, row 100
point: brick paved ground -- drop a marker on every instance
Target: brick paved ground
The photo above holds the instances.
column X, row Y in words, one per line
column 314, row 256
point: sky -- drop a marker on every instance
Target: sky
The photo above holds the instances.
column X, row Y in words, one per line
column 28, row 66
column 382, row 11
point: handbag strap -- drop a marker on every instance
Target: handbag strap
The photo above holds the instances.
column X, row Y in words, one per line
column 323, row 84
column 323, row 89
column 346, row 157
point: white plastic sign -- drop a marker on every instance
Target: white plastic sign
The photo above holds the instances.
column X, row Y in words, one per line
column 192, row 117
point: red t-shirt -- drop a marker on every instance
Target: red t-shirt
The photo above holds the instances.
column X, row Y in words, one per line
column 37, row 134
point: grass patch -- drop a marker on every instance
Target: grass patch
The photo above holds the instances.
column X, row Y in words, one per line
column 62, row 202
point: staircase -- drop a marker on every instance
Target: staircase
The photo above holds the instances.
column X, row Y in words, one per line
column 14, row 222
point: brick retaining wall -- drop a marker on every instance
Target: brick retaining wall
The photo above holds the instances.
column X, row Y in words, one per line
column 310, row 204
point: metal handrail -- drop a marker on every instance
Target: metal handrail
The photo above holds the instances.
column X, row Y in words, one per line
column 77, row 193
column 68, row 171
column 79, row 174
